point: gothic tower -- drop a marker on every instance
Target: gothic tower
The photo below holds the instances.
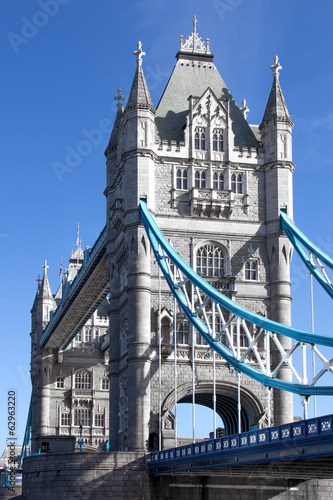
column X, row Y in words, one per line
column 215, row 185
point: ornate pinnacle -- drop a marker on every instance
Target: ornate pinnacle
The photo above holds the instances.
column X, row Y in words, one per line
column 139, row 53
column 276, row 67
column 119, row 98
column 45, row 267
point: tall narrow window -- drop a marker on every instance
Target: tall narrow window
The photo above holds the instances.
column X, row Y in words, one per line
column 181, row 179
column 183, row 332
column 243, row 340
column 237, row 183
column 217, row 139
column 83, row 380
column 200, row 179
column 218, row 180
column 200, row 138
column 87, row 336
column 210, row 261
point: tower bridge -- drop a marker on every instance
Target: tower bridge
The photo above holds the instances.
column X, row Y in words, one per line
column 196, row 194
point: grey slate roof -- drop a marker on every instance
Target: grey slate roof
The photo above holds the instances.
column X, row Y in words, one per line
column 139, row 97
column 193, row 77
column 276, row 106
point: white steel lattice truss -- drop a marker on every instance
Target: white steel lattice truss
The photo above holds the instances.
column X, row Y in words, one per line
column 244, row 339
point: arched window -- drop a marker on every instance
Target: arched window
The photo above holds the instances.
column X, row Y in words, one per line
column 200, row 138
column 183, row 332
column 83, row 380
column 217, row 139
column 181, row 179
column 165, row 329
column 200, row 179
column 237, row 183
column 218, row 180
column 210, row 261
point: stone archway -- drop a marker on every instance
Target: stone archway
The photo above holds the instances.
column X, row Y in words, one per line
column 226, row 405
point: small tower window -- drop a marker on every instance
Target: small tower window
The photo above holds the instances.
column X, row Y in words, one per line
column 105, row 384
column 181, row 179
column 217, row 139
column 65, row 419
column 99, row 420
column 200, row 138
column 237, row 183
column 200, row 179
column 251, row 270
column 60, row 382
column 218, row 180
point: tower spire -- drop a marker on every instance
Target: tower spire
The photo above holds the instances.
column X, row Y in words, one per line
column 276, row 108
column 139, row 97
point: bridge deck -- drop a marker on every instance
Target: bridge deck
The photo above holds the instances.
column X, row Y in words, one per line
column 85, row 293
column 299, row 449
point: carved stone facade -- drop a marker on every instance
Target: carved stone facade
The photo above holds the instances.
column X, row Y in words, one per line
column 70, row 387
column 215, row 186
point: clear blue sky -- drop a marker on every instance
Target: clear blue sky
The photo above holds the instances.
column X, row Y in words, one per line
column 60, row 72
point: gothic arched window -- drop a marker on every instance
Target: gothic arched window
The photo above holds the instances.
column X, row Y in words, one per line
column 181, row 177
column 200, row 179
column 217, row 139
column 83, row 380
column 200, row 138
column 210, row 261
column 237, row 183
column 218, row 180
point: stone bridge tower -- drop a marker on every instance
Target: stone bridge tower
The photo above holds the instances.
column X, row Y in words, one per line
column 215, row 185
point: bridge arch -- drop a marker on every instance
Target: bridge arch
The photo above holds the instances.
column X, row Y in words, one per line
column 226, row 404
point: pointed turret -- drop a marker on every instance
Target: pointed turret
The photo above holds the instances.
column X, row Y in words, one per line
column 139, row 97
column 113, row 142
column 276, row 125
column 276, row 109
column 45, row 285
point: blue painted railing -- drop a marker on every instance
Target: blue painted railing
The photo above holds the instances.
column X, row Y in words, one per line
column 311, row 428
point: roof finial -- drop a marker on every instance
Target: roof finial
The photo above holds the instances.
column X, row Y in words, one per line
column 38, row 280
column 45, row 267
column 276, row 67
column 244, row 109
column 119, row 98
column 194, row 43
column 195, row 22
column 139, row 53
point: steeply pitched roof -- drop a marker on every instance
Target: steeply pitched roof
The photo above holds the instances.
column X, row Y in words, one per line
column 191, row 77
column 139, row 97
column 276, row 109
column 276, row 106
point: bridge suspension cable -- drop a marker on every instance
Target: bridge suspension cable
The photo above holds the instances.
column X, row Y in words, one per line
column 315, row 259
column 198, row 299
